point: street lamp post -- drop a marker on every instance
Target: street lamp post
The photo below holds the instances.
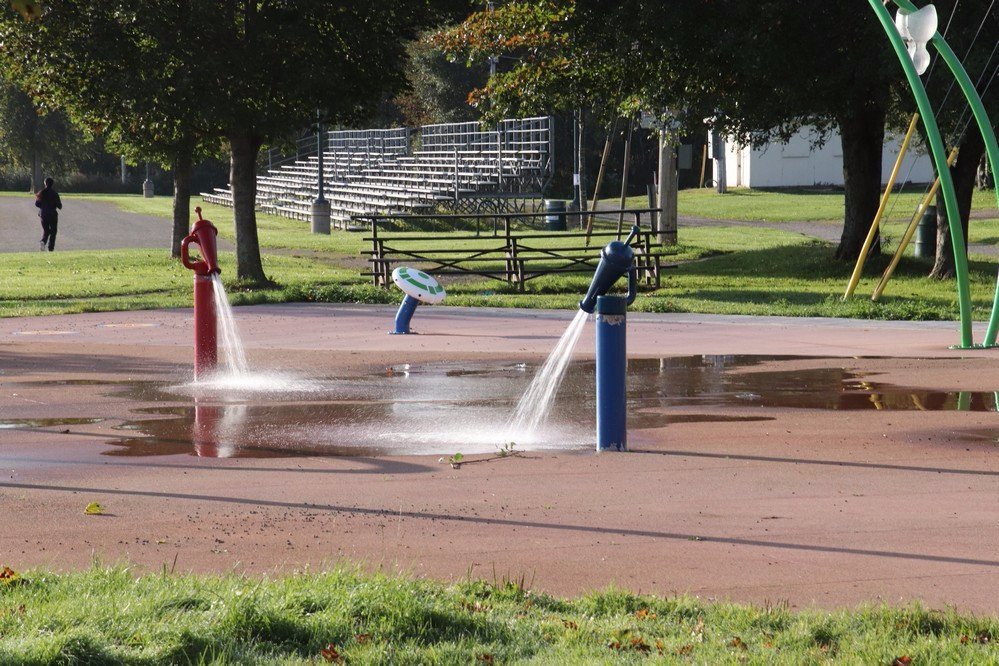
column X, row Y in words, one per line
column 320, row 216
column 147, row 185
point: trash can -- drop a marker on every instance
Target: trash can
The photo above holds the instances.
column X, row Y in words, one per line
column 555, row 218
column 926, row 234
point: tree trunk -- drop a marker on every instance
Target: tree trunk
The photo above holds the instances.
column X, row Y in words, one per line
column 244, row 147
column 964, row 172
column 863, row 134
column 669, row 183
column 181, row 201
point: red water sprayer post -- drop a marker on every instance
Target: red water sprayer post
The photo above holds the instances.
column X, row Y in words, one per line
column 204, row 235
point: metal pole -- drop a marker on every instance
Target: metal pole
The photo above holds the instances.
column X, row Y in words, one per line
column 911, row 229
column 624, row 175
column 600, row 177
column 147, row 185
column 611, row 373
column 320, row 151
column 575, row 161
column 320, row 214
column 939, row 153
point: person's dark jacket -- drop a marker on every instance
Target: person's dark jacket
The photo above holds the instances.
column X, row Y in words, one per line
column 48, row 202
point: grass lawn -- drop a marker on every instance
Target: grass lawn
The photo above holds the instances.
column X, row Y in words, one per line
column 742, row 203
column 110, row 616
column 739, row 270
column 82, row 281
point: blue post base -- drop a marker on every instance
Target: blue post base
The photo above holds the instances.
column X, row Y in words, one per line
column 612, row 365
column 403, row 316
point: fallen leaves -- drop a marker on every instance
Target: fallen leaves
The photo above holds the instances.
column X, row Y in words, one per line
column 331, row 654
column 984, row 638
column 626, row 641
column 10, row 577
column 94, row 509
column 904, row 660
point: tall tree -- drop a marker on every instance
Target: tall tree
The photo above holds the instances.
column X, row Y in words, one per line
column 178, row 76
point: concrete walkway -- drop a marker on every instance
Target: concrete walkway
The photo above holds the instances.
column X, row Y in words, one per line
column 84, row 224
column 751, row 503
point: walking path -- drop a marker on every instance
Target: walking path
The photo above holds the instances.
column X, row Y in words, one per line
column 84, row 224
column 748, row 502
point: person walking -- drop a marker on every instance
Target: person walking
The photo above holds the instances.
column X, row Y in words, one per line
column 48, row 203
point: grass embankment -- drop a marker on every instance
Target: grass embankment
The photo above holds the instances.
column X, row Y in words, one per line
column 740, row 270
column 110, row 616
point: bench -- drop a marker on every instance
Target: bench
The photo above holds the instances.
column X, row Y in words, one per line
column 515, row 257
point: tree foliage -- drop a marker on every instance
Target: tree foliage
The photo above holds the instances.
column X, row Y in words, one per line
column 437, row 88
column 758, row 71
column 32, row 140
column 166, row 80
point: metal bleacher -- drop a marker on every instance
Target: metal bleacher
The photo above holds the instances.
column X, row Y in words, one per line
column 456, row 167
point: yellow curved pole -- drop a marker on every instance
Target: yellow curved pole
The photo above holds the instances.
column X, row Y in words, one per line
column 859, row 268
column 904, row 243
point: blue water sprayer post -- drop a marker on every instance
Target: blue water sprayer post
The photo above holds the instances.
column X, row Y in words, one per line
column 404, row 314
column 616, row 259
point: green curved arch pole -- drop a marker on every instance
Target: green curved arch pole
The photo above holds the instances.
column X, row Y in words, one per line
column 939, row 154
column 984, row 126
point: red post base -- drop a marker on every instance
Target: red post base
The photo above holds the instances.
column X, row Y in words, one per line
column 206, row 348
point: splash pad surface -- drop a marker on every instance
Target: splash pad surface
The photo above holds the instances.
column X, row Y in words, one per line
column 816, row 496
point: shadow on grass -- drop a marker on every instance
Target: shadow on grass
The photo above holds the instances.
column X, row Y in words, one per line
column 807, row 261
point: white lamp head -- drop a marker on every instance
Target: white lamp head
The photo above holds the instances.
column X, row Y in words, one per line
column 922, row 24
column 901, row 26
column 917, row 28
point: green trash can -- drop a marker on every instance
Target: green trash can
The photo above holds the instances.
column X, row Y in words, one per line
column 555, row 214
column 926, row 234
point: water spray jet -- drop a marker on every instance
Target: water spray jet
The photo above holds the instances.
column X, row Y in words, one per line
column 204, row 235
column 616, row 259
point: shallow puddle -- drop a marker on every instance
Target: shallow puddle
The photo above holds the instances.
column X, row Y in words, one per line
column 444, row 408
column 45, row 423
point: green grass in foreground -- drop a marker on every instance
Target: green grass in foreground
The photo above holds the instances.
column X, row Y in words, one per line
column 33, row 283
column 105, row 616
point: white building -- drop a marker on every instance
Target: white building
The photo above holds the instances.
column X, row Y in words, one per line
column 799, row 164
